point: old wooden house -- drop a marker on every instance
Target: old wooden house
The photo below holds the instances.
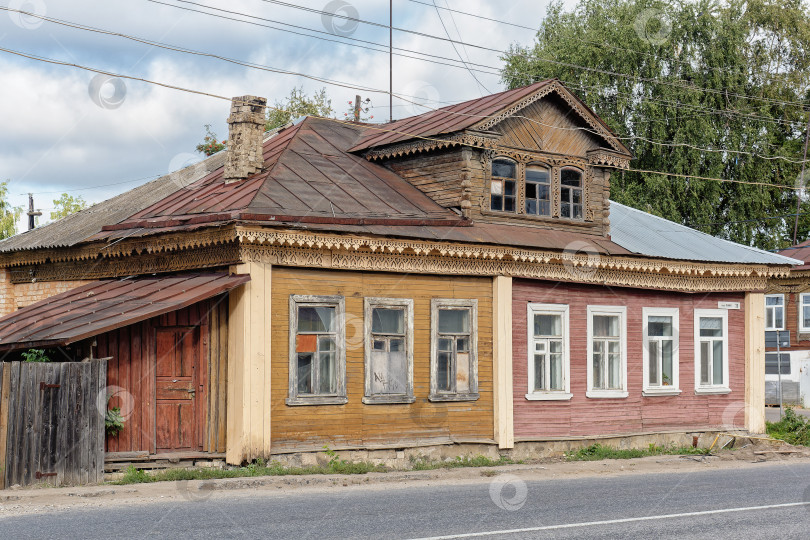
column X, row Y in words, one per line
column 458, row 277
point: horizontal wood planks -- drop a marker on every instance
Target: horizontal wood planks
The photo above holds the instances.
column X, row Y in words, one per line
column 582, row 416
column 356, row 424
column 437, row 174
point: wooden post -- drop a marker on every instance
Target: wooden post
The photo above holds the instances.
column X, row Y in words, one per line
column 248, row 431
column 356, row 108
column 755, row 362
column 5, row 391
column 502, row 361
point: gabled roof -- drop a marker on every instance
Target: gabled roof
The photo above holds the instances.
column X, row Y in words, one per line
column 653, row 236
column 469, row 114
column 800, row 251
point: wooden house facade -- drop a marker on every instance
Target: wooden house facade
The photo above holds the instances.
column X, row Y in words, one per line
column 458, row 277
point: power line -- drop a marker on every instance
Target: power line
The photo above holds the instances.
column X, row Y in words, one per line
column 153, row 177
column 495, row 70
column 373, row 90
column 439, row 15
column 335, row 120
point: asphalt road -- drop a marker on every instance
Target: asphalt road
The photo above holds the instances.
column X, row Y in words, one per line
column 768, row 501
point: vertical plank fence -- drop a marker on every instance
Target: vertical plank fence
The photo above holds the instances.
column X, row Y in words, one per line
column 52, row 422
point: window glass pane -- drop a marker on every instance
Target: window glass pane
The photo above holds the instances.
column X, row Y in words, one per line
column 509, row 188
column 388, row 321
column 659, row 326
column 305, row 373
column 774, row 300
column 539, row 372
column 531, row 206
column 772, row 364
column 316, row 319
column 667, row 375
column 544, row 209
column 806, row 316
column 565, row 210
column 531, row 190
column 504, row 169
column 463, row 344
column 653, row 353
column 606, row 325
column 496, row 187
column 379, row 372
column 454, row 321
column 598, row 350
column 556, row 368
column 705, row 359
column 570, row 177
column 463, row 372
column 443, row 370
column 509, row 204
column 711, row 327
column 537, row 174
column 717, row 357
column 547, row 325
column 328, row 375
column 778, row 317
column 445, row 344
column 396, row 345
column 614, row 370
column 397, row 373
column 542, row 192
column 378, row 345
column 497, row 202
column 577, row 211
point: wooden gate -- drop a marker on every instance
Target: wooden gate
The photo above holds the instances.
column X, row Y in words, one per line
column 52, row 422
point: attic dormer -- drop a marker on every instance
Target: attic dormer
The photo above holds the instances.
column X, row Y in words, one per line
column 535, row 155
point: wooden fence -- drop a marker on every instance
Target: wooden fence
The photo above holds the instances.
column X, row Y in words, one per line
column 52, row 422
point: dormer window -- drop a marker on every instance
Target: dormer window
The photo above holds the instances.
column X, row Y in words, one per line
column 570, row 193
column 538, row 191
column 503, row 192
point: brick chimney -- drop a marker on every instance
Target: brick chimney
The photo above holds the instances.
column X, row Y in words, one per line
column 245, row 134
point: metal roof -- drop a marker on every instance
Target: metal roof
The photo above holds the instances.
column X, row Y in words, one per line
column 652, row 236
column 800, row 251
column 107, row 305
column 76, row 228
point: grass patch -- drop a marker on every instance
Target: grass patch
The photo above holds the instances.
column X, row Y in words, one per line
column 423, row 464
column 596, row 452
column 134, row 475
column 792, row 428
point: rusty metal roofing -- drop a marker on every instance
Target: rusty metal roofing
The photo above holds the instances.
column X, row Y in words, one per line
column 800, row 251
column 652, row 236
column 107, row 305
column 76, row 228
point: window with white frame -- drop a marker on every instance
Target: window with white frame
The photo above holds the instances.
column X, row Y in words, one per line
column 548, row 352
column 804, row 312
column 453, row 350
column 389, row 350
column 711, row 351
column 607, row 352
column 774, row 312
column 317, row 350
column 660, row 334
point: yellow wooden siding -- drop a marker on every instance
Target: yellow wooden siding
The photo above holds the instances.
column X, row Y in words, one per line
column 359, row 425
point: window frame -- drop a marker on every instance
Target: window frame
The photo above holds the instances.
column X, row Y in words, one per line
column 598, row 393
column 503, row 179
column 369, row 304
column 533, row 308
column 581, row 189
column 674, row 389
column 768, row 308
column 550, row 171
column 714, row 388
column 339, row 397
column 802, row 327
column 437, row 304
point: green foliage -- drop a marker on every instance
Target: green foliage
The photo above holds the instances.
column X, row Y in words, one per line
column 365, row 106
column 35, row 355
column 424, row 464
column 113, row 421
column 210, row 144
column 792, row 428
column 9, row 215
column 596, row 452
column 135, row 476
column 66, row 205
column 701, row 73
column 298, row 104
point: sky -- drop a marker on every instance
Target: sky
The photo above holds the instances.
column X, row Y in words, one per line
column 70, row 130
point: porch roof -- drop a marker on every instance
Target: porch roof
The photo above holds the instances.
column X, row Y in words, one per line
column 106, row 305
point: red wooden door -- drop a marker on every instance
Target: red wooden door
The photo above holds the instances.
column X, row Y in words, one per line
column 178, row 393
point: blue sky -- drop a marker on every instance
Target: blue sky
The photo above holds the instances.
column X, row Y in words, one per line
column 65, row 132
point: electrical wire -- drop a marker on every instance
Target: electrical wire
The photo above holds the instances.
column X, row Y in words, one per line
column 447, row 32
column 372, row 127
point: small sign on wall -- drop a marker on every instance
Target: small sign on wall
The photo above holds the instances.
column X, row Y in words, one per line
column 728, row 305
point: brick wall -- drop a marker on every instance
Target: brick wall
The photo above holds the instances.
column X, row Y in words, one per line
column 582, row 416
column 16, row 296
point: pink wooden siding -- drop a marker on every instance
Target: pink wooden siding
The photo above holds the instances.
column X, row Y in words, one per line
column 582, row 416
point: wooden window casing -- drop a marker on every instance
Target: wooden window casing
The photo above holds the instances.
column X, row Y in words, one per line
column 774, row 312
column 804, row 312
column 503, row 186
column 571, row 193
column 538, row 190
column 548, row 353
column 607, row 352
column 711, row 351
column 661, row 334
column 325, row 386
column 388, row 352
column 454, row 377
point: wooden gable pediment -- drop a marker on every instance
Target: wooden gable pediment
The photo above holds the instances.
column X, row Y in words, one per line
column 554, row 121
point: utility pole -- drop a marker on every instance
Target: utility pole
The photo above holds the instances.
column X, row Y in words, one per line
column 32, row 214
column 798, row 195
column 357, row 108
column 391, row 62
